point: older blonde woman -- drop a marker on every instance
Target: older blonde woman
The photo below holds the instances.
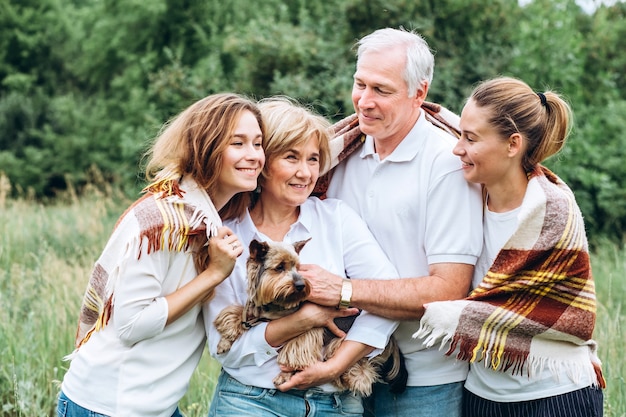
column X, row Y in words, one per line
column 296, row 149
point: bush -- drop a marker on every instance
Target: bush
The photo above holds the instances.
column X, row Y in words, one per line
column 592, row 163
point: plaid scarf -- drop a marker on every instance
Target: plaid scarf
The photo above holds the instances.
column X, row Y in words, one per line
column 537, row 299
column 161, row 219
column 348, row 138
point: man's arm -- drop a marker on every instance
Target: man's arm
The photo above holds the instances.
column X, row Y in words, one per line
column 397, row 299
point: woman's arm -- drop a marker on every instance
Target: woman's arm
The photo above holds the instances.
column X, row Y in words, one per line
column 309, row 316
column 322, row 372
column 222, row 257
column 369, row 334
column 148, row 294
column 259, row 344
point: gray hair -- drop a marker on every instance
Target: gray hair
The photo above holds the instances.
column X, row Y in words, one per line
column 420, row 61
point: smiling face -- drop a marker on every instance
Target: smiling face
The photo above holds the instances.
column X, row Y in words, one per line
column 243, row 160
column 487, row 157
column 291, row 176
column 380, row 95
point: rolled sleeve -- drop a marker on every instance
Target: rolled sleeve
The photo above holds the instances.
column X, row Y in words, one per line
column 372, row 330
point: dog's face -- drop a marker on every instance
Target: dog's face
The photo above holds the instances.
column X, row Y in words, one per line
column 273, row 279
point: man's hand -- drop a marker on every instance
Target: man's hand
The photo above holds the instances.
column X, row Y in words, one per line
column 325, row 286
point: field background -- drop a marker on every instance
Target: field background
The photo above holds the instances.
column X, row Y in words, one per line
column 85, row 85
column 46, row 254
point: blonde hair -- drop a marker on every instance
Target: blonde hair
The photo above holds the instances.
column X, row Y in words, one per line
column 543, row 119
column 289, row 124
column 193, row 143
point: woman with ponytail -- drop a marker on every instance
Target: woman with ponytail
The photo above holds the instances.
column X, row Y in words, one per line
column 526, row 328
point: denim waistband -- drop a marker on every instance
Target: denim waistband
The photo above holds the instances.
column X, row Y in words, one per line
column 314, row 392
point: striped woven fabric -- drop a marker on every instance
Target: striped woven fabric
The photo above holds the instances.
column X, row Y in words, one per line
column 161, row 219
column 538, row 298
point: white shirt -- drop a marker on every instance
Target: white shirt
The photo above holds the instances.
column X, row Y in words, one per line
column 342, row 244
column 503, row 386
column 421, row 211
column 137, row 366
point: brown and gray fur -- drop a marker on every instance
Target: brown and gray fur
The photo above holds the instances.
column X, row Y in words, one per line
column 276, row 289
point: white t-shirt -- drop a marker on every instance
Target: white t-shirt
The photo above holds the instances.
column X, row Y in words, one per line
column 503, row 386
column 341, row 243
column 136, row 365
column 422, row 211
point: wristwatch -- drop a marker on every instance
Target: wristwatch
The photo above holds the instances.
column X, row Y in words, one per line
column 346, row 294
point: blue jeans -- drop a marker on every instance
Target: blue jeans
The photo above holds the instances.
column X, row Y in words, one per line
column 68, row 408
column 437, row 400
column 234, row 399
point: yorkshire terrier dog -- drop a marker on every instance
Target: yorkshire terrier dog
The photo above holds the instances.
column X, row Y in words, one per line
column 276, row 289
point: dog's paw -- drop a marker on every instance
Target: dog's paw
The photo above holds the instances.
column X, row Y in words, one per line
column 359, row 379
column 281, row 378
column 224, row 346
column 228, row 325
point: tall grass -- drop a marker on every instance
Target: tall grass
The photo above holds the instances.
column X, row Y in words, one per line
column 609, row 269
column 46, row 255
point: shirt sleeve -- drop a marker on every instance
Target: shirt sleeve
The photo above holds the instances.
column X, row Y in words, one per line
column 364, row 259
column 453, row 205
column 140, row 310
column 251, row 349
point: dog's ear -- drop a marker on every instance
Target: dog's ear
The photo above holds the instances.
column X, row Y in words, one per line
column 299, row 245
column 258, row 250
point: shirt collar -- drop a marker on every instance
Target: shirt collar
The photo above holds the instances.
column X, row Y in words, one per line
column 407, row 149
column 300, row 230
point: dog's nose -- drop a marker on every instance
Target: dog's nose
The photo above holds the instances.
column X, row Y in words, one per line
column 298, row 282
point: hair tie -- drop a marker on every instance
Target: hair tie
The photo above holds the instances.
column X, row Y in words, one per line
column 542, row 97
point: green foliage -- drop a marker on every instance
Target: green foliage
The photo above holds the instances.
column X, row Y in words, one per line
column 85, row 85
column 604, row 77
column 46, row 255
column 469, row 50
column 609, row 266
column 547, row 52
column 598, row 178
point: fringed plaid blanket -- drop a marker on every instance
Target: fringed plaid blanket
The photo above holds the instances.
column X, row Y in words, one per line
column 161, row 219
column 538, row 298
column 348, row 138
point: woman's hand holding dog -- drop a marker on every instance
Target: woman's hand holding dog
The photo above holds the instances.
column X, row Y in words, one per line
column 307, row 317
column 322, row 372
column 320, row 316
column 224, row 248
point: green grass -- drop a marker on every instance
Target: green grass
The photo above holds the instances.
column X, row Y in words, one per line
column 46, row 255
column 609, row 269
